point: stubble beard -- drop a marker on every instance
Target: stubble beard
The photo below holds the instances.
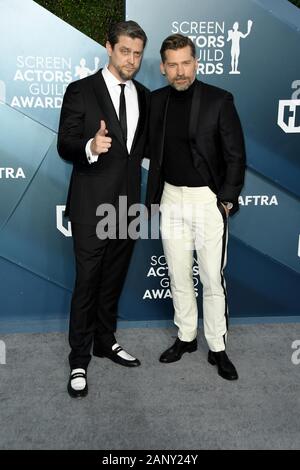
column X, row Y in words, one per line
column 126, row 74
column 184, row 86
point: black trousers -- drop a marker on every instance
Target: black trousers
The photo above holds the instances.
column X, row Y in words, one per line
column 101, row 268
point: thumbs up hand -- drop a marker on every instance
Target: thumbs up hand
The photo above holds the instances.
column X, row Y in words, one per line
column 101, row 143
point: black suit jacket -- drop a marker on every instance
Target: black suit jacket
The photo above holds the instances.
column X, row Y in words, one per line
column 216, row 142
column 87, row 102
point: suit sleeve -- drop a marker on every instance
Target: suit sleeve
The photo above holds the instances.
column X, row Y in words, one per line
column 233, row 147
column 71, row 143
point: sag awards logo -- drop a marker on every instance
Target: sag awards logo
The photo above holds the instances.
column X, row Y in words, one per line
column 159, row 269
column 288, row 117
column 45, row 80
column 210, row 38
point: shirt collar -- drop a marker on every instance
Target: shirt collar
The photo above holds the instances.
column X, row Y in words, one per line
column 112, row 81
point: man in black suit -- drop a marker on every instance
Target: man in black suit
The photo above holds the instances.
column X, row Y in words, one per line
column 197, row 165
column 102, row 132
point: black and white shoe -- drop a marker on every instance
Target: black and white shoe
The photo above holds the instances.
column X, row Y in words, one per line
column 77, row 385
column 118, row 355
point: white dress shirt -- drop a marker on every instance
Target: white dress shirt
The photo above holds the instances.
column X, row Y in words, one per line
column 132, row 108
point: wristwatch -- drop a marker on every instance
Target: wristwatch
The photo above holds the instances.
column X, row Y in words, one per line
column 229, row 205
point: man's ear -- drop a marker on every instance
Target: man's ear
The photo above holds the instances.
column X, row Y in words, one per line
column 108, row 48
column 162, row 68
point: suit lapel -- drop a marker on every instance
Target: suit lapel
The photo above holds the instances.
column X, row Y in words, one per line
column 106, row 105
column 195, row 110
column 142, row 114
column 195, row 119
column 162, row 123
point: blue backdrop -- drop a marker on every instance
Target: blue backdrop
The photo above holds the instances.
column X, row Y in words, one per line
column 41, row 54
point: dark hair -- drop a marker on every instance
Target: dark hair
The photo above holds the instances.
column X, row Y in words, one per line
column 174, row 42
column 125, row 28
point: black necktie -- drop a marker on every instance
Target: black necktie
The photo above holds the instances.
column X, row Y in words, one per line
column 122, row 112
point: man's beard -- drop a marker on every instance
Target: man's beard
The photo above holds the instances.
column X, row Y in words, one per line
column 182, row 86
column 126, row 74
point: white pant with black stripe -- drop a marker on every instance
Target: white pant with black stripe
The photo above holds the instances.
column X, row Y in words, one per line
column 192, row 219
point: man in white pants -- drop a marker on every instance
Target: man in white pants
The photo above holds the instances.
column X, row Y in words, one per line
column 197, row 166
